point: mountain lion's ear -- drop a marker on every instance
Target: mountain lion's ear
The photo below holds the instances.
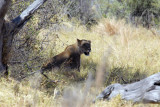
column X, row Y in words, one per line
column 79, row 42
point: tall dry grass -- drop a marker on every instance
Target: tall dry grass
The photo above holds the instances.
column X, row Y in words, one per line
column 119, row 50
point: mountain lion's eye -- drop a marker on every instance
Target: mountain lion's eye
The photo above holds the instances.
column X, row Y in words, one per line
column 85, row 45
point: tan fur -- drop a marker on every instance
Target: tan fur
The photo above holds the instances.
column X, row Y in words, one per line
column 70, row 57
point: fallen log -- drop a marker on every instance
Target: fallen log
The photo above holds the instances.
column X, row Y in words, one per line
column 146, row 90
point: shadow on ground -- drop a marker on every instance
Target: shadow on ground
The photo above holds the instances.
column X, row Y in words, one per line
column 75, row 76
column 124, row 75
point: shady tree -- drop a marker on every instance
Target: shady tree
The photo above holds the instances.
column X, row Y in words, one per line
column 8, row 30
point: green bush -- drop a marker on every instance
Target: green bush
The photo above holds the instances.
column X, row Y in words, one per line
column 145, row 12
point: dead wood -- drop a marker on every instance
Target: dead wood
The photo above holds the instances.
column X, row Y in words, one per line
column 146, row 90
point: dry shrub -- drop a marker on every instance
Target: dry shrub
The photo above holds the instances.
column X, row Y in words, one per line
column 110, row 28
column 123, row 32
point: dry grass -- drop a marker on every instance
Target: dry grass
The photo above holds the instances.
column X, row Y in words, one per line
column 118, row 49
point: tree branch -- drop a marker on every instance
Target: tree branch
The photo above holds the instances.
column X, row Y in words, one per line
column 26, row 14
column 147, row 90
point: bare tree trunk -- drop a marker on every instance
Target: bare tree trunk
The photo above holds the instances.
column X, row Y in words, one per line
column 1, row 43
column 3, row 9
column 10, row 29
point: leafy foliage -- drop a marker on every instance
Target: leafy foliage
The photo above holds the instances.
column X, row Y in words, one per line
column 147, row 12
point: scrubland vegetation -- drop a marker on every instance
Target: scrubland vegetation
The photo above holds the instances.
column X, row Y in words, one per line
column 121, row 52
column 130, row 53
